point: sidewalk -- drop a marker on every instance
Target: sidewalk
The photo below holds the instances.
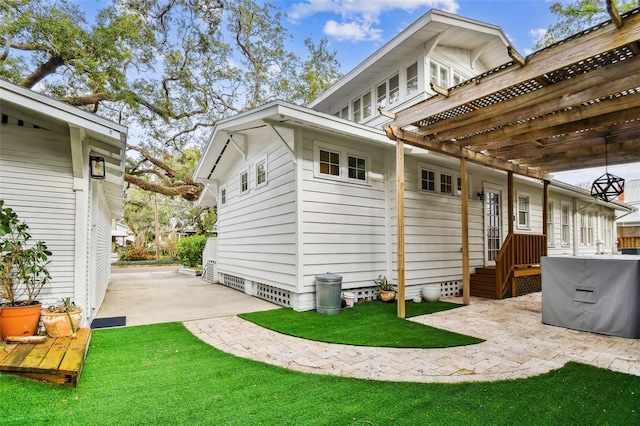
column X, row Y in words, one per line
column 517, row 345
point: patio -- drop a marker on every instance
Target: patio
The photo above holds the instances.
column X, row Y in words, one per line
column 517, row 345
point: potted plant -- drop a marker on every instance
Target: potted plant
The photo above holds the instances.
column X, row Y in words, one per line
column 386, row 290
column 23, row 274
column 62, row 320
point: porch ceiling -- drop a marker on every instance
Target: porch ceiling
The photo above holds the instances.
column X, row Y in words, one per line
column 553, row 111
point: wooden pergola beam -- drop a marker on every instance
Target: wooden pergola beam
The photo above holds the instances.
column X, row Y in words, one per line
column 453, row 150
column 544, row 62
column 599, row 83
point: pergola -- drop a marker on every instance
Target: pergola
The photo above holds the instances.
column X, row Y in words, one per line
column 561, row 108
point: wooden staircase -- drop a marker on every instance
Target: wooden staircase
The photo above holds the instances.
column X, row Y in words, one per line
column 484, row 281
column 519, row 256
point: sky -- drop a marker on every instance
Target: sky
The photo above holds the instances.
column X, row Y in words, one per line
column 355, row 29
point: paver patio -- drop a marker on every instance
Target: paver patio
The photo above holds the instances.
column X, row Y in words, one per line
column 517, row 345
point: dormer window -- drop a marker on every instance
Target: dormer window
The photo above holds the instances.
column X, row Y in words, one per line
column 362, row 107
column 381, row 91
column 412, row 78
column 443, row 75
column 394, row 89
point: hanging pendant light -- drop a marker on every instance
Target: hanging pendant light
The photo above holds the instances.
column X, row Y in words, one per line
column 607, row 187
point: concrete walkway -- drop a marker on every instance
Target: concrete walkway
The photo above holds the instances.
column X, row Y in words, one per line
column 517, row 345
column 151, row 295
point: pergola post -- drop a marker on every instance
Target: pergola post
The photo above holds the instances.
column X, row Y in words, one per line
column 464, row 212
column 400, row 213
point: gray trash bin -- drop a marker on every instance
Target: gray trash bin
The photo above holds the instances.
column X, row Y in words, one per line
column 328, row 293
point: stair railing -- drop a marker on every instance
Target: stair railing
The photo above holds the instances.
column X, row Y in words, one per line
column 517, row 249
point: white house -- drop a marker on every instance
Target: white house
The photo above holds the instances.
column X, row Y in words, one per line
column 305, row 191
column 45, row 151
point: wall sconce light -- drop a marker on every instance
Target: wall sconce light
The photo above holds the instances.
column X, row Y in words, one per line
column 96, row 164
column 480, row 195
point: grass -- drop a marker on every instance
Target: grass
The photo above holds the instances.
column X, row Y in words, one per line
column 366, row 324
column 163, row 375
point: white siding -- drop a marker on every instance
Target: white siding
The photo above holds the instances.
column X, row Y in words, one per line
column 102, row 251
column 344, row 223
column 257, row 229
column 36, row 181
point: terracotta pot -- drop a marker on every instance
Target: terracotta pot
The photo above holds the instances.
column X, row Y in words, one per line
column 19, row 320
column 387, row 295
column 58, row 324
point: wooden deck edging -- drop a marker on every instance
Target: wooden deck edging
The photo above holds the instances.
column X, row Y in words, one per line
column 57, row 360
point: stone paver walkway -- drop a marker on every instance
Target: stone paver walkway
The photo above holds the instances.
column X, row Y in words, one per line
column 517, row 345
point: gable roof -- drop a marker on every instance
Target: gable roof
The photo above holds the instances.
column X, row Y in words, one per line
column 433, row 28
column 104, row 137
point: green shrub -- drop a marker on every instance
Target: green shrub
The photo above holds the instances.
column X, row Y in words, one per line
column 135, row 254
column 189, row 250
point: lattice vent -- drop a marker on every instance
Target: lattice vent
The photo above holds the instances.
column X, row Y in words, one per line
column 365, row 294
column 528, row 284
column 233, row 282
column 451, row 288
column 273, row 294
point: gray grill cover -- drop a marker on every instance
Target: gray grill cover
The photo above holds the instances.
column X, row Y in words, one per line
column 599, row 293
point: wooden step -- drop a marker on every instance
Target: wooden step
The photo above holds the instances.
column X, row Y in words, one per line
column 56, row 360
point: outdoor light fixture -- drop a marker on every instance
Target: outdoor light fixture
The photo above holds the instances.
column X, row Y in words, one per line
column 607, row 187
column 480, row 195
column 96, row 164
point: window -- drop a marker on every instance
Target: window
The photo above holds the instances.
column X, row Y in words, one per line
column 439, row 74
column 412, row 78
column 394, row 89
column 384, row 96
column 244, row 182
column 564, row 219
column 428, row 180
column 261, row 172
column 338, row 163
column 437, row 180
column 523, row 211
column 357, row 168
column 344, row 113
column 590, row 228
column 329, row 163
column 446, row 184
column 361, row 107
column 223, row 196
column 550, row 236
column 381, row 93
column 457, row 78
column 583, row 228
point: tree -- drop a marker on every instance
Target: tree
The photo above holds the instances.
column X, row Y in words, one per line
column 579, row 15
column 168, row 70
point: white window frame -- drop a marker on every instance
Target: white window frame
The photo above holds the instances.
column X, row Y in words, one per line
column 415, row 82
column 527, row 224
column 590, row 230
column 453, row 76
column 223, row 195
column 608, row 226
column 565, row 242
column 391, row 95
column 245, row 172
column 262, row 160
column 363, row 111
column 438, row 173
column 583, row 228
column 551, row 239
column 343, row 168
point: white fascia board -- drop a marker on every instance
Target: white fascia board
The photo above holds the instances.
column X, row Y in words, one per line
column 289, row 115
column 61, row 111
column 431, row 16
column 585, row 195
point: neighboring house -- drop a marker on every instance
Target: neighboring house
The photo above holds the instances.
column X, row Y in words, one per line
column 121, row 235
column 45, row 150
column 629, row 225
column 305, row 191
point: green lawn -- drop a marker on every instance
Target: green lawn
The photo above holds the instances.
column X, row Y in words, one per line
column 163, row 375
column 366, row 324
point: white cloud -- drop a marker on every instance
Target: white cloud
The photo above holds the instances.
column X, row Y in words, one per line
column 359, row 19
column 351, row 31
column 537, row 34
